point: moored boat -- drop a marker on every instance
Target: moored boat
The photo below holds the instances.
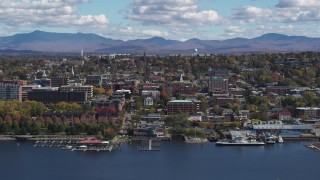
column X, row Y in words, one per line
column 280, row 140
column 239, row 141
column 80, row 148
column 92, row 144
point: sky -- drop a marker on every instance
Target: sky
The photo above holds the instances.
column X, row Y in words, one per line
column 170, row 19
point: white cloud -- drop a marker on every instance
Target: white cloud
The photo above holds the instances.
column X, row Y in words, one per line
column 233, row 31
column 126, row 32
column 298, row 3
column 155, row 33
column 284, row 12
column 47, row 13
column 169, row 12
column 91, row 20
column 250, row 13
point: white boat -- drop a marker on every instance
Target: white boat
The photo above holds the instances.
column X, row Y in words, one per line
column 270, row 141
column 80, row 148
column 239, row 141
column 280, row 140
column 105, row 142
column 68, row 147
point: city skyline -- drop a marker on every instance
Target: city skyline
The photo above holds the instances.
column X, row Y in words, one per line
column 179, row 19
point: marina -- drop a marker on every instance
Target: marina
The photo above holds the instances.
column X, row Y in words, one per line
column 89, row 144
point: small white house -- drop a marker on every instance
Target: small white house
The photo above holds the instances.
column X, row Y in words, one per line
column 148, row 101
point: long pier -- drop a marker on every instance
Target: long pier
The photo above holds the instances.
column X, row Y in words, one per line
column 315, row 146
column 48, row 137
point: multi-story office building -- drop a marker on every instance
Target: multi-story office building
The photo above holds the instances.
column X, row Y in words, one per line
column 95, row 80
column 78, row 88
column 312, row 112
column 47, row 97
column 59, row 81
column 28, row 88
column 178, row 106
column 10, row 92
column 218, row 84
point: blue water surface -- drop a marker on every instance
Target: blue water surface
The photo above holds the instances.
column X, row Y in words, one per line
column 175, row 161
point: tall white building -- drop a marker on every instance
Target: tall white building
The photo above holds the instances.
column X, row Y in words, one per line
column 148, row 101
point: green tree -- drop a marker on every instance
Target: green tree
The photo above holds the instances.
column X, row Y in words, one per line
column 135, row 119
column 203, row 104
column 97, row 90
column 310, row 98
column 178, row 122
column 139, row 102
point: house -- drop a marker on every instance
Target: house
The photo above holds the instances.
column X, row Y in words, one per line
column 227, row 112
column 195, row 118
column 148, row 101
column 284, row 115
column 153, row 93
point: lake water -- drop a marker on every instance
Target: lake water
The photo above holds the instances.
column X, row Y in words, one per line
column 175, row 161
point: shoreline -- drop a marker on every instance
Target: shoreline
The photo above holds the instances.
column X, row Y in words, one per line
column 122, row 139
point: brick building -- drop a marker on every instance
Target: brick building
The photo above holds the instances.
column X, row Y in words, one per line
column 177, row 106
column 218, row 84
column 280, row 90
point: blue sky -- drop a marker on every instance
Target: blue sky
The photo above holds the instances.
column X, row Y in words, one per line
column 171, row 19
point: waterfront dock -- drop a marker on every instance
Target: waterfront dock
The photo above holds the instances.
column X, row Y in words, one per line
column 144, row 138
column 95, row 148
column 195, row 139
column 6, row 138
column 150, row 145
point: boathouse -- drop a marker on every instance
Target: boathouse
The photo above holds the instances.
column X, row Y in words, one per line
column 284, row 129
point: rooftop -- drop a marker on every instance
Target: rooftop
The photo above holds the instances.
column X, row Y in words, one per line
column 282, row 126
column 180, row 101
column 308, row 108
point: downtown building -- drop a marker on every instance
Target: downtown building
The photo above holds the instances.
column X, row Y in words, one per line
column 77, row 87
column 10, row 92
column 53, row 96
column 94, row 80
column 218, row 84
column 60, row 81
column 181, row 106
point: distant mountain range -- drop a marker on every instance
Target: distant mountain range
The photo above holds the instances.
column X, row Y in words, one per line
column 39, row 41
